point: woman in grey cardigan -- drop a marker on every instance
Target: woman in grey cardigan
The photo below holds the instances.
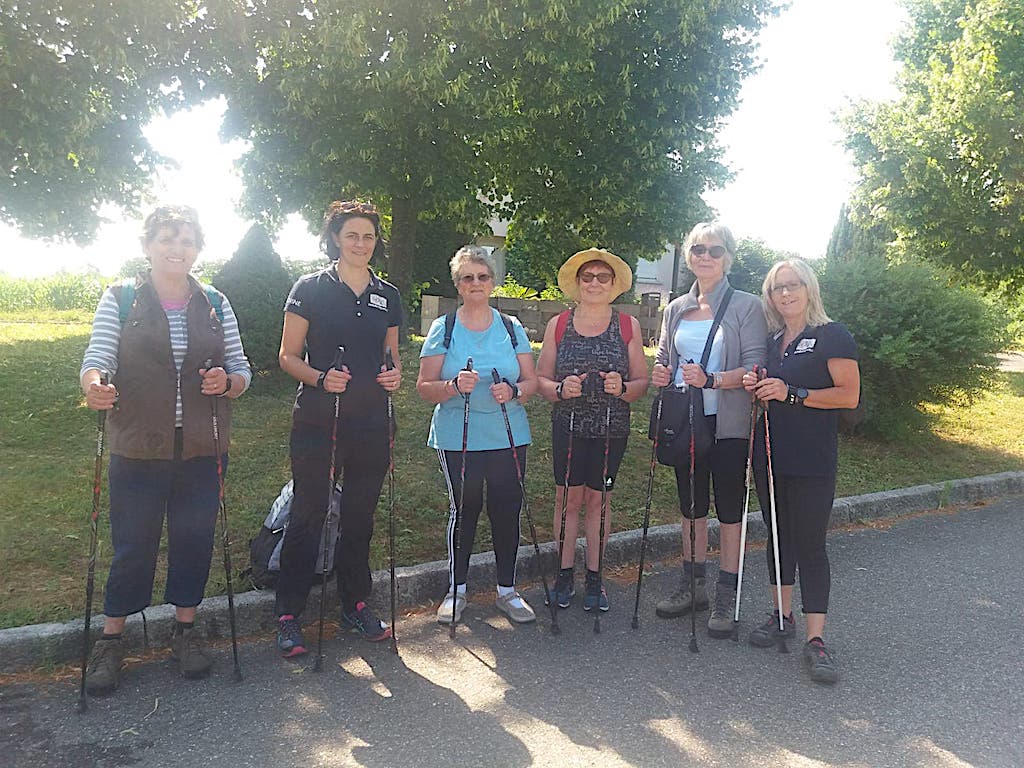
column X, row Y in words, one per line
column 738, row 346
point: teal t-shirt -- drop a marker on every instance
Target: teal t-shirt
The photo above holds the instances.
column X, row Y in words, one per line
column 489, row 349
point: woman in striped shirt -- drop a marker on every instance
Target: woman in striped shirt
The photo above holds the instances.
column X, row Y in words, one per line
column 154, row 336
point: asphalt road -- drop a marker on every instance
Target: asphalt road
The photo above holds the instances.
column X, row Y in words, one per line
column 926, row 623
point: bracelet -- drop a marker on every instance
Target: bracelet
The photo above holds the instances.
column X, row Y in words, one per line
column 320, row 379
column 709, row 382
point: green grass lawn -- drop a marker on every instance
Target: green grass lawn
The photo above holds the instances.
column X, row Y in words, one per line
column 47, row 448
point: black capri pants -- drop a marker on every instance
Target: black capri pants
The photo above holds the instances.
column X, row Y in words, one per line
column 725, row 466
column 587, row 459
column 803, row 506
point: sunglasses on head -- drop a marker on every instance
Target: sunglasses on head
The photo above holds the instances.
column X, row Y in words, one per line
column 602, row 277
column 715, row 251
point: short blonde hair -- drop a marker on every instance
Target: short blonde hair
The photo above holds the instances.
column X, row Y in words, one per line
column 473, row 254
column 815, row 308
column 711, row 229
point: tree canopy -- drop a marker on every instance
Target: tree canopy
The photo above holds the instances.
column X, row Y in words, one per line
column 595, row 118
column 942, row 166
column 80, row 80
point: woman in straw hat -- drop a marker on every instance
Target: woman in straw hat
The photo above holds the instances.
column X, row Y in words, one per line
column 591, row 367
column 738, row 345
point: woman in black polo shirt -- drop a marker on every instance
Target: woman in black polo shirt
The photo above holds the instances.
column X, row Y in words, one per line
column 347, row 305
column 811, row 373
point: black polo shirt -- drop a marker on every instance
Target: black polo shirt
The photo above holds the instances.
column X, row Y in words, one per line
column 337, row 317
column 805, row 440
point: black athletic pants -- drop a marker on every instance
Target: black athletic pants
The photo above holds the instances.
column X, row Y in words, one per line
column 497, row 470
column 362, row 462
column 803, row 506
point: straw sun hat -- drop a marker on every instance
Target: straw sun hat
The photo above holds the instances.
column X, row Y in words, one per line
column 567, row 272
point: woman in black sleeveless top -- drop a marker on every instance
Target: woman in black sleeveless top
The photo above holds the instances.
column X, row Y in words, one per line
column 591, row 367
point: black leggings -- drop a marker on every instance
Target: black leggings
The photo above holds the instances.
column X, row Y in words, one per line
column 504, row 498
column 726, row 465
column 803, row 506
column 362, row 461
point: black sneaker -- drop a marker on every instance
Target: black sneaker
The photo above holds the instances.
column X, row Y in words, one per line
column 767, row 635
column 820, row 664
column 363, row 621
column 565, row 590
column 595, row 596
column 289, row 637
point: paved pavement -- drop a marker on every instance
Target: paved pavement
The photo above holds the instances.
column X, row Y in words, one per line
column 1012, row 361
column 926, row 625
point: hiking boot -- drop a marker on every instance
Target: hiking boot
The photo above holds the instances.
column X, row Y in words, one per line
column 103, row 673
column 444, row 610
column 680, row 602
column 565, row 590
column 187, row 648
column 720, row 622
column 820, row 664
column 768, row 634
column 595, row 596
column 517, row 609
column 363, row 621
column 289, row 637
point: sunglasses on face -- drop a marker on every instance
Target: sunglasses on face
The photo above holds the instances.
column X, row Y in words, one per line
column 715, row 251
column 481, row 277
column 777, row 290
column 602, row 277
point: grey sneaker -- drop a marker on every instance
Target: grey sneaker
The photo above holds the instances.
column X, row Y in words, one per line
column 679, row 602
column 766, row 635
column 722, row 612
column 187, row 648
column 103, row 673
column 517, row 609
column 444, row 610
column 820, row 664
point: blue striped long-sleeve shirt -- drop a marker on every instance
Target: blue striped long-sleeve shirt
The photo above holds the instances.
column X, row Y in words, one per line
column 101, row 354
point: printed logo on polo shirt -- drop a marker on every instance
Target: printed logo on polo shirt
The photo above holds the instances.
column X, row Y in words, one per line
column 293, row 302
column 804, row 345
column 378, row 301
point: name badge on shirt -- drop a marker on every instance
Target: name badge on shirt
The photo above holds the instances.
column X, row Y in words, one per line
column 378, row 301
column 804, row 345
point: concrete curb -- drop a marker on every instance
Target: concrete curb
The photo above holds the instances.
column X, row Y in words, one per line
column 423, row 584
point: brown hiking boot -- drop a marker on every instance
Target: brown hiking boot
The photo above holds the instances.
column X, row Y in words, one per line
column 187, row 648
column 103, row 673
column 679, row 602
column 722, row 612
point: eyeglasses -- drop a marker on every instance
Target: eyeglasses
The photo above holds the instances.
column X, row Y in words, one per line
column 482, row 277
column 699, row 249
column 777, row 290
column 602, row 277
column 354, row 206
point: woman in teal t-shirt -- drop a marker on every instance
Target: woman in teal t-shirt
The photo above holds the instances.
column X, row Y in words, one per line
column 479, row 332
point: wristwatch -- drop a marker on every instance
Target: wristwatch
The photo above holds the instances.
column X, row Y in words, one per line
column 797, row 395
column 515, row 389
column 227, row 388
column 709, row 382
column 558, row 390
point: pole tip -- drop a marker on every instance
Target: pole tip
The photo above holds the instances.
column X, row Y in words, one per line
column 555, row 629
column 635, row 623
column 693, row 645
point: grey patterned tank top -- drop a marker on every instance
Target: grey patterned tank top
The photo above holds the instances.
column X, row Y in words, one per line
column 590, row 354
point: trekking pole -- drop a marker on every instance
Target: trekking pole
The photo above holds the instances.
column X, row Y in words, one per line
column 604, row 512
column 693, row 536
column 224, row 536
column 328, row 518
column 775, row 533
column 90, row 578
column 389, row 363
column 746, row 507
column 647, row 513
column 565, row 491
column 555, row 629
column 462, row 496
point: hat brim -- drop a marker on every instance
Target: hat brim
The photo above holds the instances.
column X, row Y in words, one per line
column 567, row 272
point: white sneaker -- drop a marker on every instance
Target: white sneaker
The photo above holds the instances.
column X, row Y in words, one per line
column 444, row 610
column 517, row 609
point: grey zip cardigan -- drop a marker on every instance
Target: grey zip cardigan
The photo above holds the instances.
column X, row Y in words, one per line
column 745, row 337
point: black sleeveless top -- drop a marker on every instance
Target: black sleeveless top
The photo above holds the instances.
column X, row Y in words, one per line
column 590, row 354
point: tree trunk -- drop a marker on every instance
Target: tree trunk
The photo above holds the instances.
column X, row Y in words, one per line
column 404, row 215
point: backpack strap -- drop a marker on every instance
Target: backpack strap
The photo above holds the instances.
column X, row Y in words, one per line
column 449, row 327
column 625, row 327
column 126, row 298
column 561, row 325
